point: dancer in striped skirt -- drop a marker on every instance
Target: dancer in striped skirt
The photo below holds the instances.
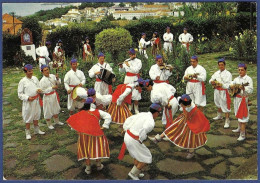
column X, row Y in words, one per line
column 188, row 130
column 92, row 142
column 122, row 96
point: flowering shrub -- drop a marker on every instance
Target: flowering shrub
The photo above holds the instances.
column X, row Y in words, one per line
column 244, row 46
column 215, row 44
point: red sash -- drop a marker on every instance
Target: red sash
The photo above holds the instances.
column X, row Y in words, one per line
column 123, row 148
column 58, row 98
column 203, row 87
column 168, row 117
column 227, row 97
column 132, row 74
column 98, row 80
column 161, row 81
column 188, row 46
column 40, row 99
column 73, row 85
column 242, row 110
column 110, row 91
column 42, row 57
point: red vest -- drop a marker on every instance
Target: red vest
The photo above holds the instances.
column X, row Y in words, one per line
column 197, row 122
column 120, row 90
column 86, row 122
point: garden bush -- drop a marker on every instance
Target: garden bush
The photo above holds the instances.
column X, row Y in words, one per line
column 114, row 41
column 244, row 46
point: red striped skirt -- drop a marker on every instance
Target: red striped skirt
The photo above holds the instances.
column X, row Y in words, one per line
column 180, row 134
column 92, row 147
column 119, row 113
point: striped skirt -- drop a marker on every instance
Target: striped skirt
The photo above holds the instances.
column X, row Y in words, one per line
column 92, row 147
column 180, row 134
column 119, row 113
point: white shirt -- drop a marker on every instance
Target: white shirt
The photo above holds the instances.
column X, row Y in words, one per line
column 135, row 66
column 43, row 52
column 56, row 50
column 47, row 83
column 243, row 80
column 161, row 93
column 140, row 124
column 187, row 38
column 28, row 88
column 156, row 71
column 74, row 78
column 126, row 92
column 168, row 37
column 223, row 77
column 96, row 68
column 143, row 43
column 198, row 70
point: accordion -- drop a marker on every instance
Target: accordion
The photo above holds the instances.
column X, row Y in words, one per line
column 106, row 76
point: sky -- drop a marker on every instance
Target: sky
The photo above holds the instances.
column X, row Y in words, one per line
column 24, row 9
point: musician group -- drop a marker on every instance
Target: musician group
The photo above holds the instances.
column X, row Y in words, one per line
column 187, row 130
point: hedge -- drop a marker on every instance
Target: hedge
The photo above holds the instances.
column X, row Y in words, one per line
column 74, row 34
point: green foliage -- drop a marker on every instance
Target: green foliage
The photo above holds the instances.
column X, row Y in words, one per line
column 73, row 36
column 32, row 24
column 44, row 15
column 95, row 5
column 122, row 4
column 244, row 46
column 113, row 41
column 11, row 46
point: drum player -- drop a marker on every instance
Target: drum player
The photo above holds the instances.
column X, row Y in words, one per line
column 100, row 86
column 72, row 79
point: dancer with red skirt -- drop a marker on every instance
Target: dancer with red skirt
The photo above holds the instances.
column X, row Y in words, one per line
column 188, row 130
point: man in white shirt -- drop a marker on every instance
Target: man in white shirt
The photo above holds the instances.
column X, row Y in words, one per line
column 51, row 107
column 163, row 94
column 132, row 67
column 168, row 40
column 241, row 108
column 221, row 80
column 158, row 74
column 100, row 86
column 43, row 54
column 29, row 92
column 137, row 127
column 185, row 39
column 142, row 45
column 195, row 75
column 74, row 78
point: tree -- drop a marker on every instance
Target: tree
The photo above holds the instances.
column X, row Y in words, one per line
column 114, row 41
column 133, row 4
column 122, row 4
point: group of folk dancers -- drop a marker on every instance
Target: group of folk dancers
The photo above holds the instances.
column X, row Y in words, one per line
column 187, row 131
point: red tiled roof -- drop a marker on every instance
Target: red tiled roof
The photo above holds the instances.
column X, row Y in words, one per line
column 9, row 19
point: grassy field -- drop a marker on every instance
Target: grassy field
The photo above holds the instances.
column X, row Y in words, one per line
column 25, row 159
